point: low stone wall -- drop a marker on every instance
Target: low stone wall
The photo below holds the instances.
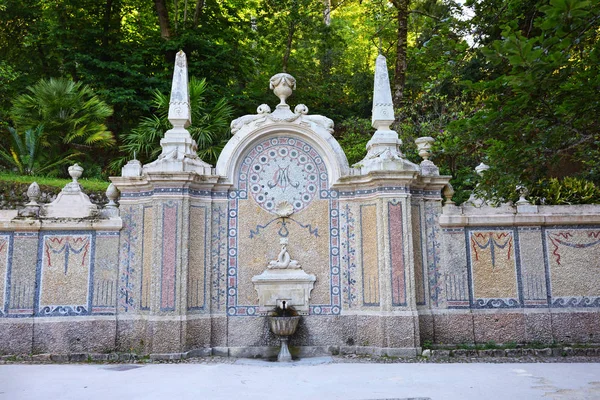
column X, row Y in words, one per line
column 524, row 274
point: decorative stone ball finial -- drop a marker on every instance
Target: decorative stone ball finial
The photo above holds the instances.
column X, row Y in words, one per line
column 33, row 193
column 75, row 171
column 424, row 146
column 481, row 168
column 282, row 85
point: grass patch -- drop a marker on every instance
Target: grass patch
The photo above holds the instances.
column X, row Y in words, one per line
column 91, row 185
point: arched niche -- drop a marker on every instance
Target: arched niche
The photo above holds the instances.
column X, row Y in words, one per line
column 318, row 137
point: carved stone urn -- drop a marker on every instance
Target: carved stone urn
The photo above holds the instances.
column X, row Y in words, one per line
column 284, row 327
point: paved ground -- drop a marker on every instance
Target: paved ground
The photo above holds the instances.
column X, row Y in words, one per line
column 310, row 379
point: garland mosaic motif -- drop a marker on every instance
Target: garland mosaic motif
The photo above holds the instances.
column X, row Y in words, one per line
column 65, row 260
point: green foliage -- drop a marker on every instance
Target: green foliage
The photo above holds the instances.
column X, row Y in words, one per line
column 537, row 114
column 209, row 128
column 354, row 135
column 522, row 97
column 23, row 153
column 569, row 190
column 70, row 113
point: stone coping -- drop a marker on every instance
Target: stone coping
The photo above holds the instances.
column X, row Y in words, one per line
column 60, row 224
column 534, row 219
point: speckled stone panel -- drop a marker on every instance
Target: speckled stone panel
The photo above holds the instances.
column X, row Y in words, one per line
column 369, row 331
column 426, row 328
column 249, row 331
column 327, row 330
column 218, row 331
column 167, row 336
column 5, row 244
column 538, row 326
column 130, row 258
column 106, row 267
column 16, row 337
column 198, row 258
column 147, row 258
column 455, row 281
column 198, row 333
column 23, row 273
column 401, row 331
column 133, row 335
column 74, row 336
column 576, row 327
column 499, row 327
column 533, row 274
column 417, row 236
column 453, row 328
column 369, row 254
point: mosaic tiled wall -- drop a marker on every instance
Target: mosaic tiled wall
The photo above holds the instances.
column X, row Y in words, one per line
column 218, row 257
column 198, row 257
column 65, row 270
column 519, row 267
column 130, row 289
column 397, row 258
column 145, row 287
column 418, row 249
column 21, row 275
column 276, row 170
column 168, row 266
column 349, row 262
column 573, row 265
column 106, row 264
column 433, row 251
column 369, row 254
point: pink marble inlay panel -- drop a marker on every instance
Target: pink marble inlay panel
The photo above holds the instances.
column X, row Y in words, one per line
column 397, row 254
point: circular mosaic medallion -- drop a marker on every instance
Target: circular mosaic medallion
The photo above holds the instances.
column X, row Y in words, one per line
column 284, row 170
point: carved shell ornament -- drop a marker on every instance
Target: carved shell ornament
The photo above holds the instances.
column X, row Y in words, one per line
column 284, row 209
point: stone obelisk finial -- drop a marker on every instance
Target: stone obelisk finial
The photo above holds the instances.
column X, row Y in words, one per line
column 178, row 146
column 383, row 153
column 180, row 113
column 383, row 108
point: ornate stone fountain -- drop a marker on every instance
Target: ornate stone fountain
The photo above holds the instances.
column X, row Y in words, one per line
column 285, row 288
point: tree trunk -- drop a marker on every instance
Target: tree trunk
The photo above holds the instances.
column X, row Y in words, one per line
column 288, row 46
column 176, row 13
column 327, row 12
column 400, row 69
column 107, row 18
column 163, row 18
column 198, row 11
